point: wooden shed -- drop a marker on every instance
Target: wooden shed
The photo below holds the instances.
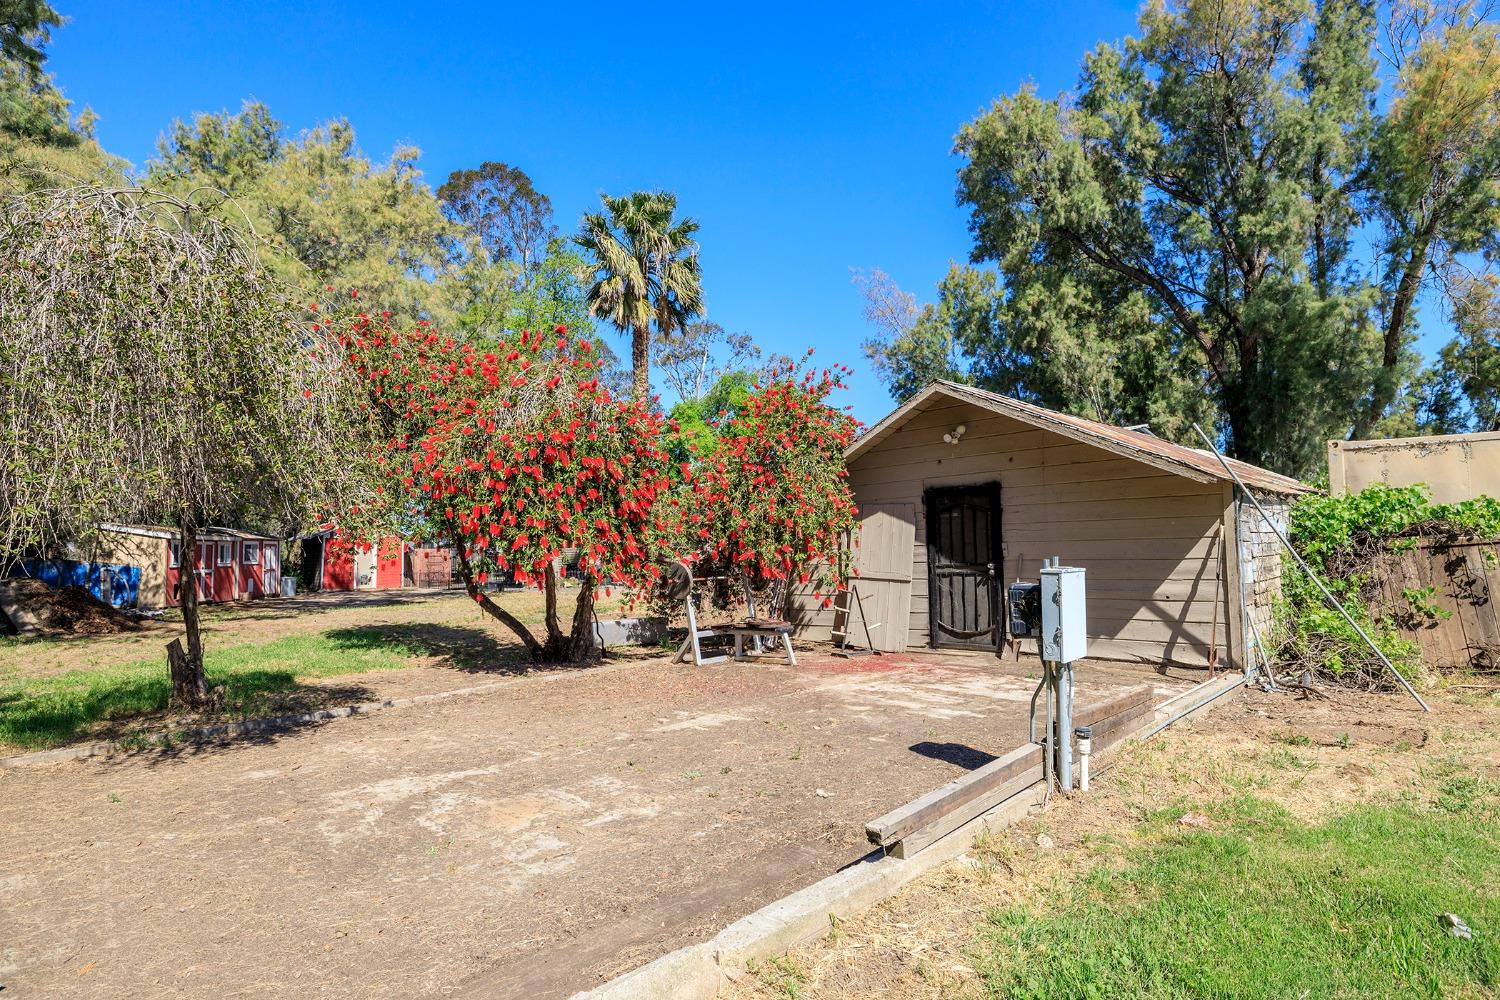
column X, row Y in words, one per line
column 961, row 491
column 230, row 564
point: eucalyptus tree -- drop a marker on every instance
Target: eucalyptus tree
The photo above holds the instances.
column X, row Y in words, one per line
column 644, row 272
column 1236, row 210
column 152, row 370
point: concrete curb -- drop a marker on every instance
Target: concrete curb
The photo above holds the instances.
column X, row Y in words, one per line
column 247, row 727
column 700, row 971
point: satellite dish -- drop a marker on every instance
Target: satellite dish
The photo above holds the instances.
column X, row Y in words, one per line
column 677, row 582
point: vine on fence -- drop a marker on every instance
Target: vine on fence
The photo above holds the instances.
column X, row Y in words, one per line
column 1342, row 539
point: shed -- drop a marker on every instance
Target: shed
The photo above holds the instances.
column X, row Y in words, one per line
column 961, row 491
column 334, row 562
column 230, row 564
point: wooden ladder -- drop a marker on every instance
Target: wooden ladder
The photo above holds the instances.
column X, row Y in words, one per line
column 845, row 603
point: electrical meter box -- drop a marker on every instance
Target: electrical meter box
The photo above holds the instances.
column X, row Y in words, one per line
column 1064, row 615
column 1025, row 603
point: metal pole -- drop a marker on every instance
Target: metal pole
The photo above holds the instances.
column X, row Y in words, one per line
column 1065, row 726
column 1311, row 575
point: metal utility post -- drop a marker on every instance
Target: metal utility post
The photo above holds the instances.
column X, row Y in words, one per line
column 1053, row 611
column 1327, row 594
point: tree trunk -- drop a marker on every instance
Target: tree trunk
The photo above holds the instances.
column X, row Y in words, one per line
column 1385, row 380
column 495, row 611
column 581, row 645
column 189, row 682
column 557, row 643
column 640, row 362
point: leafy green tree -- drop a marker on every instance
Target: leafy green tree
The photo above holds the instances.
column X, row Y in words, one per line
column 698, row 419
column 42, row 144
column 153, row 371
column 1435, row 168
column 501, row 206
column 694, row 360
column 645, row 271
column 1467, row 391
column 25, row 29
column 1183, row 230
column 328, row 215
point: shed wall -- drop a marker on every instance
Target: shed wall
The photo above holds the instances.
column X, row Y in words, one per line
column 1260, row 557
column 1454, row 467
column 145, row 551
column 1150, row 540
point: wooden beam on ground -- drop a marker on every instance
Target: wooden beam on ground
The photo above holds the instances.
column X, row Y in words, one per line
column 1089, row 715
column 939, row 802
column 930, row 834
column 925, row 820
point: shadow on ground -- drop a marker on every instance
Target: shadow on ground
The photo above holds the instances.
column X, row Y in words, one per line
column 957, row 754
column 473, row 650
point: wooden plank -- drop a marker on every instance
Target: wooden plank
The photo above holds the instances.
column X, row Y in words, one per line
column 922, row 811
column 1089, row 715
column 1114, row 721
column 1118, row 728
column 1232, row 571
column 944, row 825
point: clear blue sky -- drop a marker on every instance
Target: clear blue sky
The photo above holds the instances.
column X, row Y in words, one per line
column 806, row 138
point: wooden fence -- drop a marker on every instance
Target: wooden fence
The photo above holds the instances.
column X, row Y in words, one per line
column 1465, row 580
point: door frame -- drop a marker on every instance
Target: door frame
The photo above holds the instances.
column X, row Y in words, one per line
column 935, row 639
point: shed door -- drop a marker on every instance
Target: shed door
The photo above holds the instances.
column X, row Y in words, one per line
column 963, row 551
column 887, row 532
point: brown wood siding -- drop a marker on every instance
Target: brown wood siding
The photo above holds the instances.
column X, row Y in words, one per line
column 1149, row 539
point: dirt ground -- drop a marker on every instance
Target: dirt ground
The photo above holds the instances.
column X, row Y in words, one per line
column 529, row 841
column 1313, row 757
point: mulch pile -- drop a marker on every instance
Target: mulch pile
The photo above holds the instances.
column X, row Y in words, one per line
column 69, row 610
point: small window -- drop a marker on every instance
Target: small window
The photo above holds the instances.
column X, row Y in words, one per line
column 251, row 555
column 226, row 553
column 174, row 552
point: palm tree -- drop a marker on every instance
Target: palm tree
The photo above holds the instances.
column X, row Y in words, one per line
column 645, row 267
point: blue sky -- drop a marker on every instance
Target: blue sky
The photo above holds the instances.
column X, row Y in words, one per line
column 806, row 139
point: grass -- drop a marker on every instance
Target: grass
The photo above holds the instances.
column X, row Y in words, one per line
column 1263, row 905
column 264, row 654
column 258, row 679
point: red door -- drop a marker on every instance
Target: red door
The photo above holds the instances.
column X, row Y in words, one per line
column 226, row 570
column 203, row 571
column 251, row 582
column 388, row 563
column 338, row 564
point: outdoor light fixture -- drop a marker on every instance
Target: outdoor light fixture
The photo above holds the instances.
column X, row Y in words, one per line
column 953, row 436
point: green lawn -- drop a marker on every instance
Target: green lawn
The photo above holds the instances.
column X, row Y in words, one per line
column 1262, row 905
column 258, row 679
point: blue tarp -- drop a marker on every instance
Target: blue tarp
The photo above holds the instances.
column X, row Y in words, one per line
column 124, row 582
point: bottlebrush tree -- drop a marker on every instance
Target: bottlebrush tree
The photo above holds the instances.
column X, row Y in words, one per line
column 772, row 501
column 514, row 452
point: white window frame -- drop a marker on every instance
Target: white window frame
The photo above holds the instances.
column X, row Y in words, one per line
column 245, row 557
column 174, row 553
column 225, row 549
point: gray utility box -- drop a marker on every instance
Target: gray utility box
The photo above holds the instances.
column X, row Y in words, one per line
column 1064, row 614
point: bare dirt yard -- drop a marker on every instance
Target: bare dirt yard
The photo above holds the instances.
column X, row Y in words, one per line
column 528, row 841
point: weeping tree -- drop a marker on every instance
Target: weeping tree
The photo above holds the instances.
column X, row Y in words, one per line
column 151, row 370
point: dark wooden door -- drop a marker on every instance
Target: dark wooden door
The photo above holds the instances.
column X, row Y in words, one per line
column 963, row 557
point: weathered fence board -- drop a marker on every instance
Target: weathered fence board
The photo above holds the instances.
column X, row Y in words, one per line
column 1466, row 578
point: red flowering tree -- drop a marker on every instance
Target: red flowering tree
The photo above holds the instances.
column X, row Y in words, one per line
column 516, row 452
column 772, row 502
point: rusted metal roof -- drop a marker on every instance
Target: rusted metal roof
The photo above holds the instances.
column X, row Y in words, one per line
column 1192, row 463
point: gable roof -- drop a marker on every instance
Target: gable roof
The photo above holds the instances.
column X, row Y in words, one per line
column 1191, row 463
